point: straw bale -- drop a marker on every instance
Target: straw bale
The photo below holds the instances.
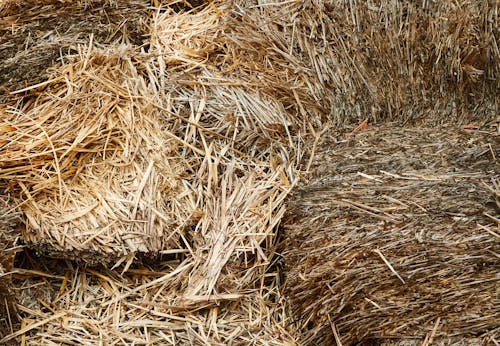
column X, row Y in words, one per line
column 230, row 129
column 238, row 140
column 36, row 35
column 397, row 236
column 186, row 152
column 398, row 60
column 96, row 177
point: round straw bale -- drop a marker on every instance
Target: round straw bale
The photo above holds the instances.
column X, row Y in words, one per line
column 397, row 60
column 396, row 236
column 125, row 153
column 97, row 177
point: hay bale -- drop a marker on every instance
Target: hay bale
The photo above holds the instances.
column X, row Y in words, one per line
column 392, row 60
column 200, row 125
column 36, row 35
column 169, row 122
column 396, row 236
column 97, row 177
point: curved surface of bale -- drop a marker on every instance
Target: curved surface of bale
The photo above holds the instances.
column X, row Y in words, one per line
column 97, row 177
column 396, row 236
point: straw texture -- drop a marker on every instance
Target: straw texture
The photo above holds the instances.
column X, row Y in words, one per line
column 154, row 150
column 392, row 60
column 36, row 35
column 197, row 135
column 95, row 173
column 396, row 232
column 78, row 305
column 9, row 220
column 250, row 144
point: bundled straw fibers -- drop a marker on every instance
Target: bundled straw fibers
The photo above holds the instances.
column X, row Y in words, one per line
column 397, row 236
column 177, row 131
column 216, row 116
column 95, row 173
column 398, row 60
column 123, row 152
column 37, row 35
column 90, row 306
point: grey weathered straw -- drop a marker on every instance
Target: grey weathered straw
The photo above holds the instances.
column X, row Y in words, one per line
column 396, row 234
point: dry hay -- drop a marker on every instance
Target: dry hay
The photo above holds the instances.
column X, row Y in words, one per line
column 97, row 177
column 435, row 341
column 123, row 152
column 9, row 218
column 81, row 306
column 36, row 35
column 397, row 235
column 396, row 60
column 193, row 145
column 232, row 127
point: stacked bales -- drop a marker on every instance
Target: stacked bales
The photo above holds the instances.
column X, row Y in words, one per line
column 185, row 150
column 392, row 60
column 396, row 236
